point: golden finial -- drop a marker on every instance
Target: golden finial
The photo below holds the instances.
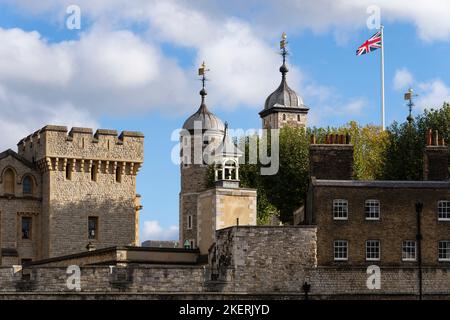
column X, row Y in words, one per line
column 202, row 70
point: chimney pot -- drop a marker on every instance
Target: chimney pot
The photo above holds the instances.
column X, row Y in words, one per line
column 429, row 137
column 436, row 138
column 347, row 139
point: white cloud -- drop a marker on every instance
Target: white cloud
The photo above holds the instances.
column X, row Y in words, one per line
column 433, row 94
column 111, row 70
column 152, row 230
column 402, row 79
column 73, row 82
column 354, row 107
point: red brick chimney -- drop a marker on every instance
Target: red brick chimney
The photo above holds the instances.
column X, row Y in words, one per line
column 435, row 158
column 332, row 160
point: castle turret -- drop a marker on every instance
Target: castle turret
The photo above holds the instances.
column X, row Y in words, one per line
column 202, row 133
column 283, row 107
column 88, row 187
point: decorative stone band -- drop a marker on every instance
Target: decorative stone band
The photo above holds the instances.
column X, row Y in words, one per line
column 80, row 164
column 27, row 214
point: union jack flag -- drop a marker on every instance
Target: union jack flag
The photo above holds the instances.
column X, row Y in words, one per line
column 370, row 45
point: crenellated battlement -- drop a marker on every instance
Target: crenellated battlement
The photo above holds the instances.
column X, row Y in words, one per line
column 81, row 143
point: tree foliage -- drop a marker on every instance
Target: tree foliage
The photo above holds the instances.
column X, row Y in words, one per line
column 394, row 154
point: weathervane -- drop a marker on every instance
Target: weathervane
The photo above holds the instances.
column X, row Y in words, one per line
column 202, row 72
column 284, row 53
column 283, row 44
column 409, row 97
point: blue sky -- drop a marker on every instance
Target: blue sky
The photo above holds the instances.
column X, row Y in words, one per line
column 132, row 66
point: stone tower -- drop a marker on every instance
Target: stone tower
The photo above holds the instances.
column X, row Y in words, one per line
column 283, row 107
column 202, row 133
column 226, row 204
column 88, row 184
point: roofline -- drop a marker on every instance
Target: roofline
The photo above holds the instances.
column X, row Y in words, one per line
column 300, row 110
column 110, row 250
column 419, row 184
column 15, row 155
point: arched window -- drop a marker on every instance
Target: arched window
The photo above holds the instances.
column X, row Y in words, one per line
column 230, row 170
column 27, row 185
column 284, row 116
column 219, row 172
column 298, row 117
column 8, row 181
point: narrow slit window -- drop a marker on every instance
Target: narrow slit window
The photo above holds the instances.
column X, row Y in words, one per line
column 27, row 186
column 93, row 228
column 8, row 181
column 94, row 172
column 69, row 171
column 119, row 174
column 26, row 228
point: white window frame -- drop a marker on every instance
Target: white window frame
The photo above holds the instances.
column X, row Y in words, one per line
column 339, row 203
column 370, row 203
column 367, row 250
column 408, row 244
column 340, row 243
column 447, row 206
column 439, row 249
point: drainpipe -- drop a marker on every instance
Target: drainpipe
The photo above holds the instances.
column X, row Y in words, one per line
column 419, row 206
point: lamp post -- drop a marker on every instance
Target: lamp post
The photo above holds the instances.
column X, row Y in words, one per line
column 306, row 288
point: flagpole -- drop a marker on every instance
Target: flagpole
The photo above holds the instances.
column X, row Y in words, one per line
column 382, row 78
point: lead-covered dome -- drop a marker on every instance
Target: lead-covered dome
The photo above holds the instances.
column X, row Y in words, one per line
column 283, row 96
column 208, row 120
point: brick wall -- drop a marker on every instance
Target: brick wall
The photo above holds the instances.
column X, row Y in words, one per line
column 397, row 221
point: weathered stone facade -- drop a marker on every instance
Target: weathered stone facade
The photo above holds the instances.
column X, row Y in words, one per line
column 220, row 208
column 277, row 119
column 245, row 263
column 75, row 176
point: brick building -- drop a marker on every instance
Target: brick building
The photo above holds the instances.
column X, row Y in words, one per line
column 376, row 222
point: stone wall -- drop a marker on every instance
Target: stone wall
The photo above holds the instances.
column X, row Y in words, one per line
column 264, row 259
column 55, row 141
column 220, row 208
column 17, row 205
column 193, row 174
column 278, row 120
column 85, row 175
column 247, row 262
